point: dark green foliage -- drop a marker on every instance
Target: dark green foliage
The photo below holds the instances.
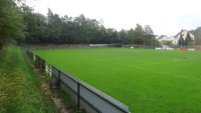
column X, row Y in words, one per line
column 78, row 30
column 54, row 25
column 11, row 26
column 149, row 37
column 68, row 30
column 36, row 26
column 139, row 34
column 189, row 41
column 62, row 30
column 17, row 22
column 181, row 41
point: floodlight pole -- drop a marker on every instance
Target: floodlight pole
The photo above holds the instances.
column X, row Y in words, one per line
column 194, row 42
column 181, row 40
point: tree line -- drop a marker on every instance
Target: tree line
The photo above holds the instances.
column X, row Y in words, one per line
column 79, row 30
column 26, row 26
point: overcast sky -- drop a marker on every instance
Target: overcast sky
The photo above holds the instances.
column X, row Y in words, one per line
column 166, row 17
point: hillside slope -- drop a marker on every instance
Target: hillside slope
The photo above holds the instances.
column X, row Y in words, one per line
column 197, row 34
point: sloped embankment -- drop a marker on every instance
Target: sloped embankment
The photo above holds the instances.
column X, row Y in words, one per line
column 20, row 87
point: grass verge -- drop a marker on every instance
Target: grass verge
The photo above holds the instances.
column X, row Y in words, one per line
column 20, row 87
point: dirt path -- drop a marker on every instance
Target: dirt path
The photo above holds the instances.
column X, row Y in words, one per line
column 58, row 103
column 46, row 88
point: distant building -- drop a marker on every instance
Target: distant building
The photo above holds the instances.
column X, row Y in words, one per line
column 164, row 39
column 183, row 35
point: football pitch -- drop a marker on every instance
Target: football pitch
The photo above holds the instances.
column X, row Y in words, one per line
column 147, row 81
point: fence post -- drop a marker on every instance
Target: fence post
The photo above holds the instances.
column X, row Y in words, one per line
column 40, row 63
column 36, row 60
column 78, row 95
column 49, row 69
column 43, row 65
column 59, row 73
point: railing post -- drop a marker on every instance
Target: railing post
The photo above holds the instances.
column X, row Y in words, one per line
column 40, row 63
column 43, row 65
column 49, row 69
column 36, row 60
column 59, row 76
column 78, row 95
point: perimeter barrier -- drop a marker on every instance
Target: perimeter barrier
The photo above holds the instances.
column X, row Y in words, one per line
column 181, row 49
column 86, row 96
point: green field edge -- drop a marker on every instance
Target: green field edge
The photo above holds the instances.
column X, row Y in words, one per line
column 20, row 86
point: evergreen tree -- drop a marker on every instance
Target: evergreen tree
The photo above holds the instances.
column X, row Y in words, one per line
column 181, row 41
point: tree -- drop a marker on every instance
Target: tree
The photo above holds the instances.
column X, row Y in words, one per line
column 11, row 23
column 149, row 36
column 102, row 36
column 112, row 35
column 122, row 35
column 138, row 34
column 188, row 41
column 28, row 21
column 79, row 30
column 130, row 36
column 148, row 30
column 181, row 41
column 54, row 27
column 36, row 25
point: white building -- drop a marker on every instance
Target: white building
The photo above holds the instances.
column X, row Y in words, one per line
column 183, row 34
column 175, row 39
column 165, row 38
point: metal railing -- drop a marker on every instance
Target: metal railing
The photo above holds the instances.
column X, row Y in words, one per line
column 86, row 96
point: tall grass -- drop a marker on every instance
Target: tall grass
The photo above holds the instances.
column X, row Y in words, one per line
column 20, row 87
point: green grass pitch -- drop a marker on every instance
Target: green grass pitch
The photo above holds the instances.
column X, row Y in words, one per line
column 148, row 81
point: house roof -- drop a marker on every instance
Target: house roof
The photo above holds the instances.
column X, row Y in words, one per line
column 185, row 33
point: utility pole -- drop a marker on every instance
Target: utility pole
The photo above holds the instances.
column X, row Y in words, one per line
column 181, row 37
column 194, row 42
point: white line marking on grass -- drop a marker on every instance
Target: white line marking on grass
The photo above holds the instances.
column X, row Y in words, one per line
column 156, row 63
column 172, row 74
column 164, row 62
column 160, row 72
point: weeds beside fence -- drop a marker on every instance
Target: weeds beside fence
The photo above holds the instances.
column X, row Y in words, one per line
column 86, row 96
column 20, row 86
